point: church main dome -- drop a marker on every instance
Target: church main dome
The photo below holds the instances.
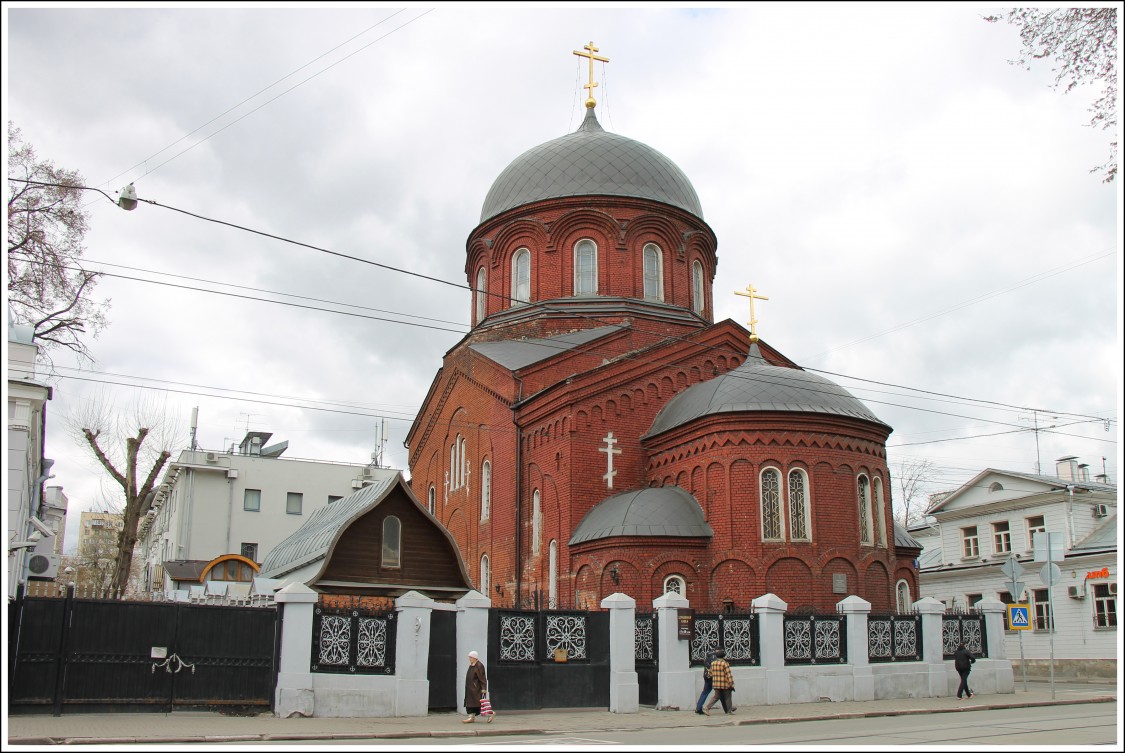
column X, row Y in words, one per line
column 590, row 162
column 758, row 385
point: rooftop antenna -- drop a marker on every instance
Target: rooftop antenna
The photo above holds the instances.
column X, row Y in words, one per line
column 380, row 442
column 194, row 425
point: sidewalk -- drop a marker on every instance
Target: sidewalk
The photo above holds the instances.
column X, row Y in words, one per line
column 204, row 727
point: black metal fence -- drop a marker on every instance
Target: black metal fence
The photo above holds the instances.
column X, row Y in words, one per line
column 737, row 634
column 353, row 641
column 894, row 637
column 816, row 639
column 963, row 627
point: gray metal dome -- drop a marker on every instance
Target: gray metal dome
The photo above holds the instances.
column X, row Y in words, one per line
column 590, row 162
column 760, row 386
column 657, row 511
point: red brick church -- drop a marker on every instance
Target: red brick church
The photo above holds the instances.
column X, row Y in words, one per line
column 597, row 431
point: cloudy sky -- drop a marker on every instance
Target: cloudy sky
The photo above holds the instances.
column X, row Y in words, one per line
column 920, row 212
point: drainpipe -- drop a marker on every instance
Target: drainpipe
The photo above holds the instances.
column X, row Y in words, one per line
column 1070, row 516
column 230, row 510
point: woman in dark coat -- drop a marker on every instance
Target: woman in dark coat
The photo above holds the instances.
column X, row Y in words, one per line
column 476, row 685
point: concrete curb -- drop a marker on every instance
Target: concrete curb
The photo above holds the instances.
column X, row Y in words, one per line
column 510, row 731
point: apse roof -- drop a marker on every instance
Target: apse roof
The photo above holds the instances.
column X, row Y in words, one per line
column 757, row 385
column 904, row 539
column 662, row 511
column 516, row 354
column 590, row 162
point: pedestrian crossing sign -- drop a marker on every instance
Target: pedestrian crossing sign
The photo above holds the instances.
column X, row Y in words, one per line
column 1019, row 617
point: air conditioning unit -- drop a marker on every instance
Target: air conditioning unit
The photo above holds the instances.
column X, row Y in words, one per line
column 357, row 484
column 1100, row 511
column 1112, row 589
column 367, row 471
column 212, row 457
column 45, row 566
column 1076, row 592
column 232, row 473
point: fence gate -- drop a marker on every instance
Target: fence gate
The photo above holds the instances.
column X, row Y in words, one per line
column 442, row 671
column 86, row 655
column 645, row 655
column 548, row 659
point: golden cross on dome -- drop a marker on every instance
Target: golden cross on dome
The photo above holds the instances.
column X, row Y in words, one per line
column 752, row 293
column 590, row 50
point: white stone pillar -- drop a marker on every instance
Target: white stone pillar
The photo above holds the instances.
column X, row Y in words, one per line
column 412, row 654
column 472, row 635
column 675, row 683
column 856, row 611
column 624, row 688
column 293, row 695
column 993, row 674
column 931, row 610
column 771, row 624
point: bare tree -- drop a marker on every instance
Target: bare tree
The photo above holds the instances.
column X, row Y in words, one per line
column 914, row 476
column 125, row 444
column 1083, row 44
column 47, row 288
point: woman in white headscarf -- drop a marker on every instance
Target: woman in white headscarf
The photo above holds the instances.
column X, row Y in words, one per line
column 476, row 685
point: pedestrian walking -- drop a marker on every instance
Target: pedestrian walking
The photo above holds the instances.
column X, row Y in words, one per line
column 706, row 684
column 476, row 689
column 963, row 662
column 722, row 681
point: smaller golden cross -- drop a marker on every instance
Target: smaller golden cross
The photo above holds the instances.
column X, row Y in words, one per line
column 752, row 293
column 591, row 49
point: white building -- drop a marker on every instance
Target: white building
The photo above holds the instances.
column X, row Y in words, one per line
column 971, row 532
column 216, row 515
column 27, row 467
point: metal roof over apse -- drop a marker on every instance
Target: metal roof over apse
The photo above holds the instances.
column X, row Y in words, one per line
column 661, row 511
column 312, row 540
column 590, row 162
column 516, row 354
column 757, row 385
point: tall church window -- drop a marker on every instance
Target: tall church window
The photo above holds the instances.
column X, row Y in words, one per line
column 864, row 501
column 430, row 499
column 392, row 542
column 521, row 277
column 485, row 489
column 798, row 505
column 585, row 268
column 902, row 593
column 485, row 574
column 653, row 273
column 771, row 504
column 553, row 575
column 462, row 460
column 536, row 521
column 880, row 513
column 482, row 282
column 697, row 287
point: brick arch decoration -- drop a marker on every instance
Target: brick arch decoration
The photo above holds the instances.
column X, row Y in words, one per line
column 521, row 233
column 586, row 588
column 458, row 528
column 835, row 566
column 654, row 228
column 570, row 228
column 734, row 579
column 789, row 578
column 630, row 580
column 877, row 585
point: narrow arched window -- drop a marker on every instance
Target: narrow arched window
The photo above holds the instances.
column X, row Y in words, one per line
column 653, row 272
column 697, row 288
column 521, row 277
column 880, row 513
column 482, row 300
column 452, row 466
column 553, row 575
column 771, row 505
column 864, row 501
column 430, row 500
column 536, row 521
column 392, row 542
column 674, row 584
column 902, row 596
column 462, row 461
column 585, row 268
column 798, row 505
column 485, row 574
column 485, row 489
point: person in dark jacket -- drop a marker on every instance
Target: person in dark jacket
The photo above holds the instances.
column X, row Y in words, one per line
column 963, row 662
column 476, row 685
column 706, row 683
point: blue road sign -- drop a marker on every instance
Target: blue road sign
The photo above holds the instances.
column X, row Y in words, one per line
column 1019, row 616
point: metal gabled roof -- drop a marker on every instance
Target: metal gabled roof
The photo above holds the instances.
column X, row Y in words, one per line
column 660, row 511
column 517, row 354
column 758, row 385
column 590, row 162
column 1104, row 537
column 316, row 536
